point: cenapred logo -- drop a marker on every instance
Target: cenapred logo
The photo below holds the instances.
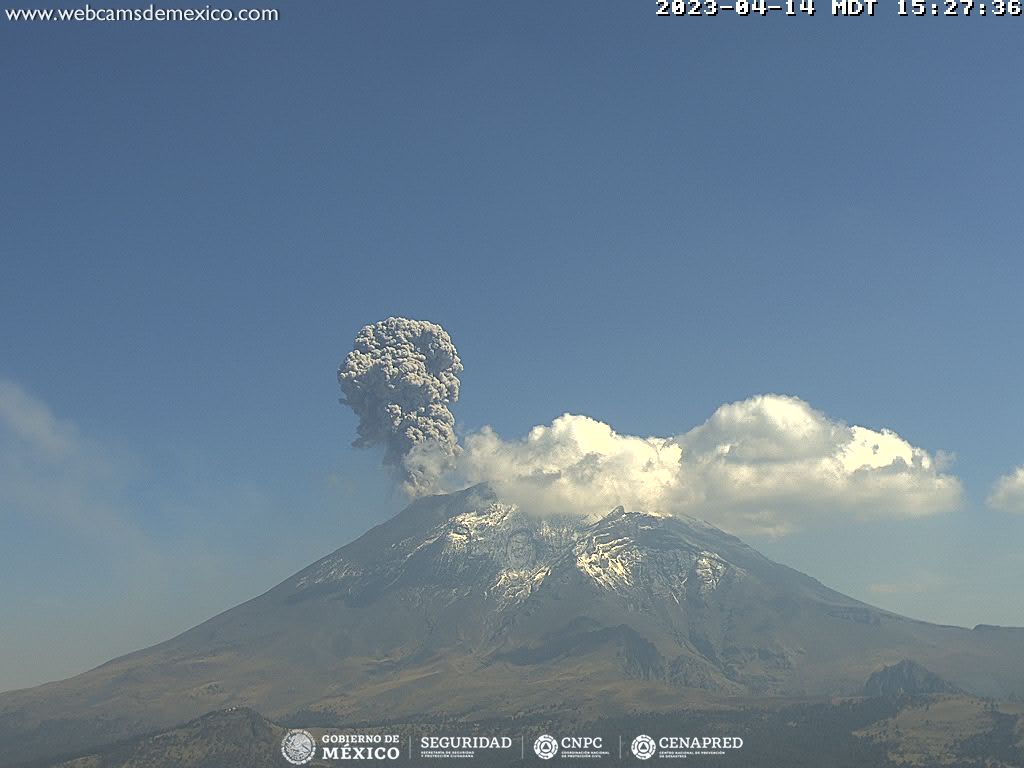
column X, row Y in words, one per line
column 546, row 747
column 298, row 746
column 643, row 747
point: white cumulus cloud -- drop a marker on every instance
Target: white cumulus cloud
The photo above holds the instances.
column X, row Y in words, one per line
column 1008, row 492
column 576, row 464
column 769, row 464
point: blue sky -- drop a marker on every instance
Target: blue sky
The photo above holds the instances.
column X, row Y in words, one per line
column 633, row 218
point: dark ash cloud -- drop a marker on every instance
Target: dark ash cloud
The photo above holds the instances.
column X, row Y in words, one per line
column 399, row 379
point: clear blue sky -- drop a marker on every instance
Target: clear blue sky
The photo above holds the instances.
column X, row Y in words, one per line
column 613, row 214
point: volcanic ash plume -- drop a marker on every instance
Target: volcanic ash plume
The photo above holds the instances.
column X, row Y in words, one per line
column 399, row 379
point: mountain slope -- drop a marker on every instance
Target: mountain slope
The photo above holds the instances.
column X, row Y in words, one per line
column 462, row 606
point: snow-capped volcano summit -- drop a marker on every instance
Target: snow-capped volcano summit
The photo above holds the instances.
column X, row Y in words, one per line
column 466, row 606
column 506, row 553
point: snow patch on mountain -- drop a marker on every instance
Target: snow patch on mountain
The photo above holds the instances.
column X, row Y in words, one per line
column 611, row 563
column 709, row 568
column 333, row 569
column 498, row 550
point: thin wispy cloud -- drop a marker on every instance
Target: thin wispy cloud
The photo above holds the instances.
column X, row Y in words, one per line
column 918, row 583
column 1008, row 492
column 88, row 559
column 50, row 472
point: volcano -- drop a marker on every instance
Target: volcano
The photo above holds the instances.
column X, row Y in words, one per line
column 464, row 607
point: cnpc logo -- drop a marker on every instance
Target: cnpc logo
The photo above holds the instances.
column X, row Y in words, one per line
column 547, row 746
